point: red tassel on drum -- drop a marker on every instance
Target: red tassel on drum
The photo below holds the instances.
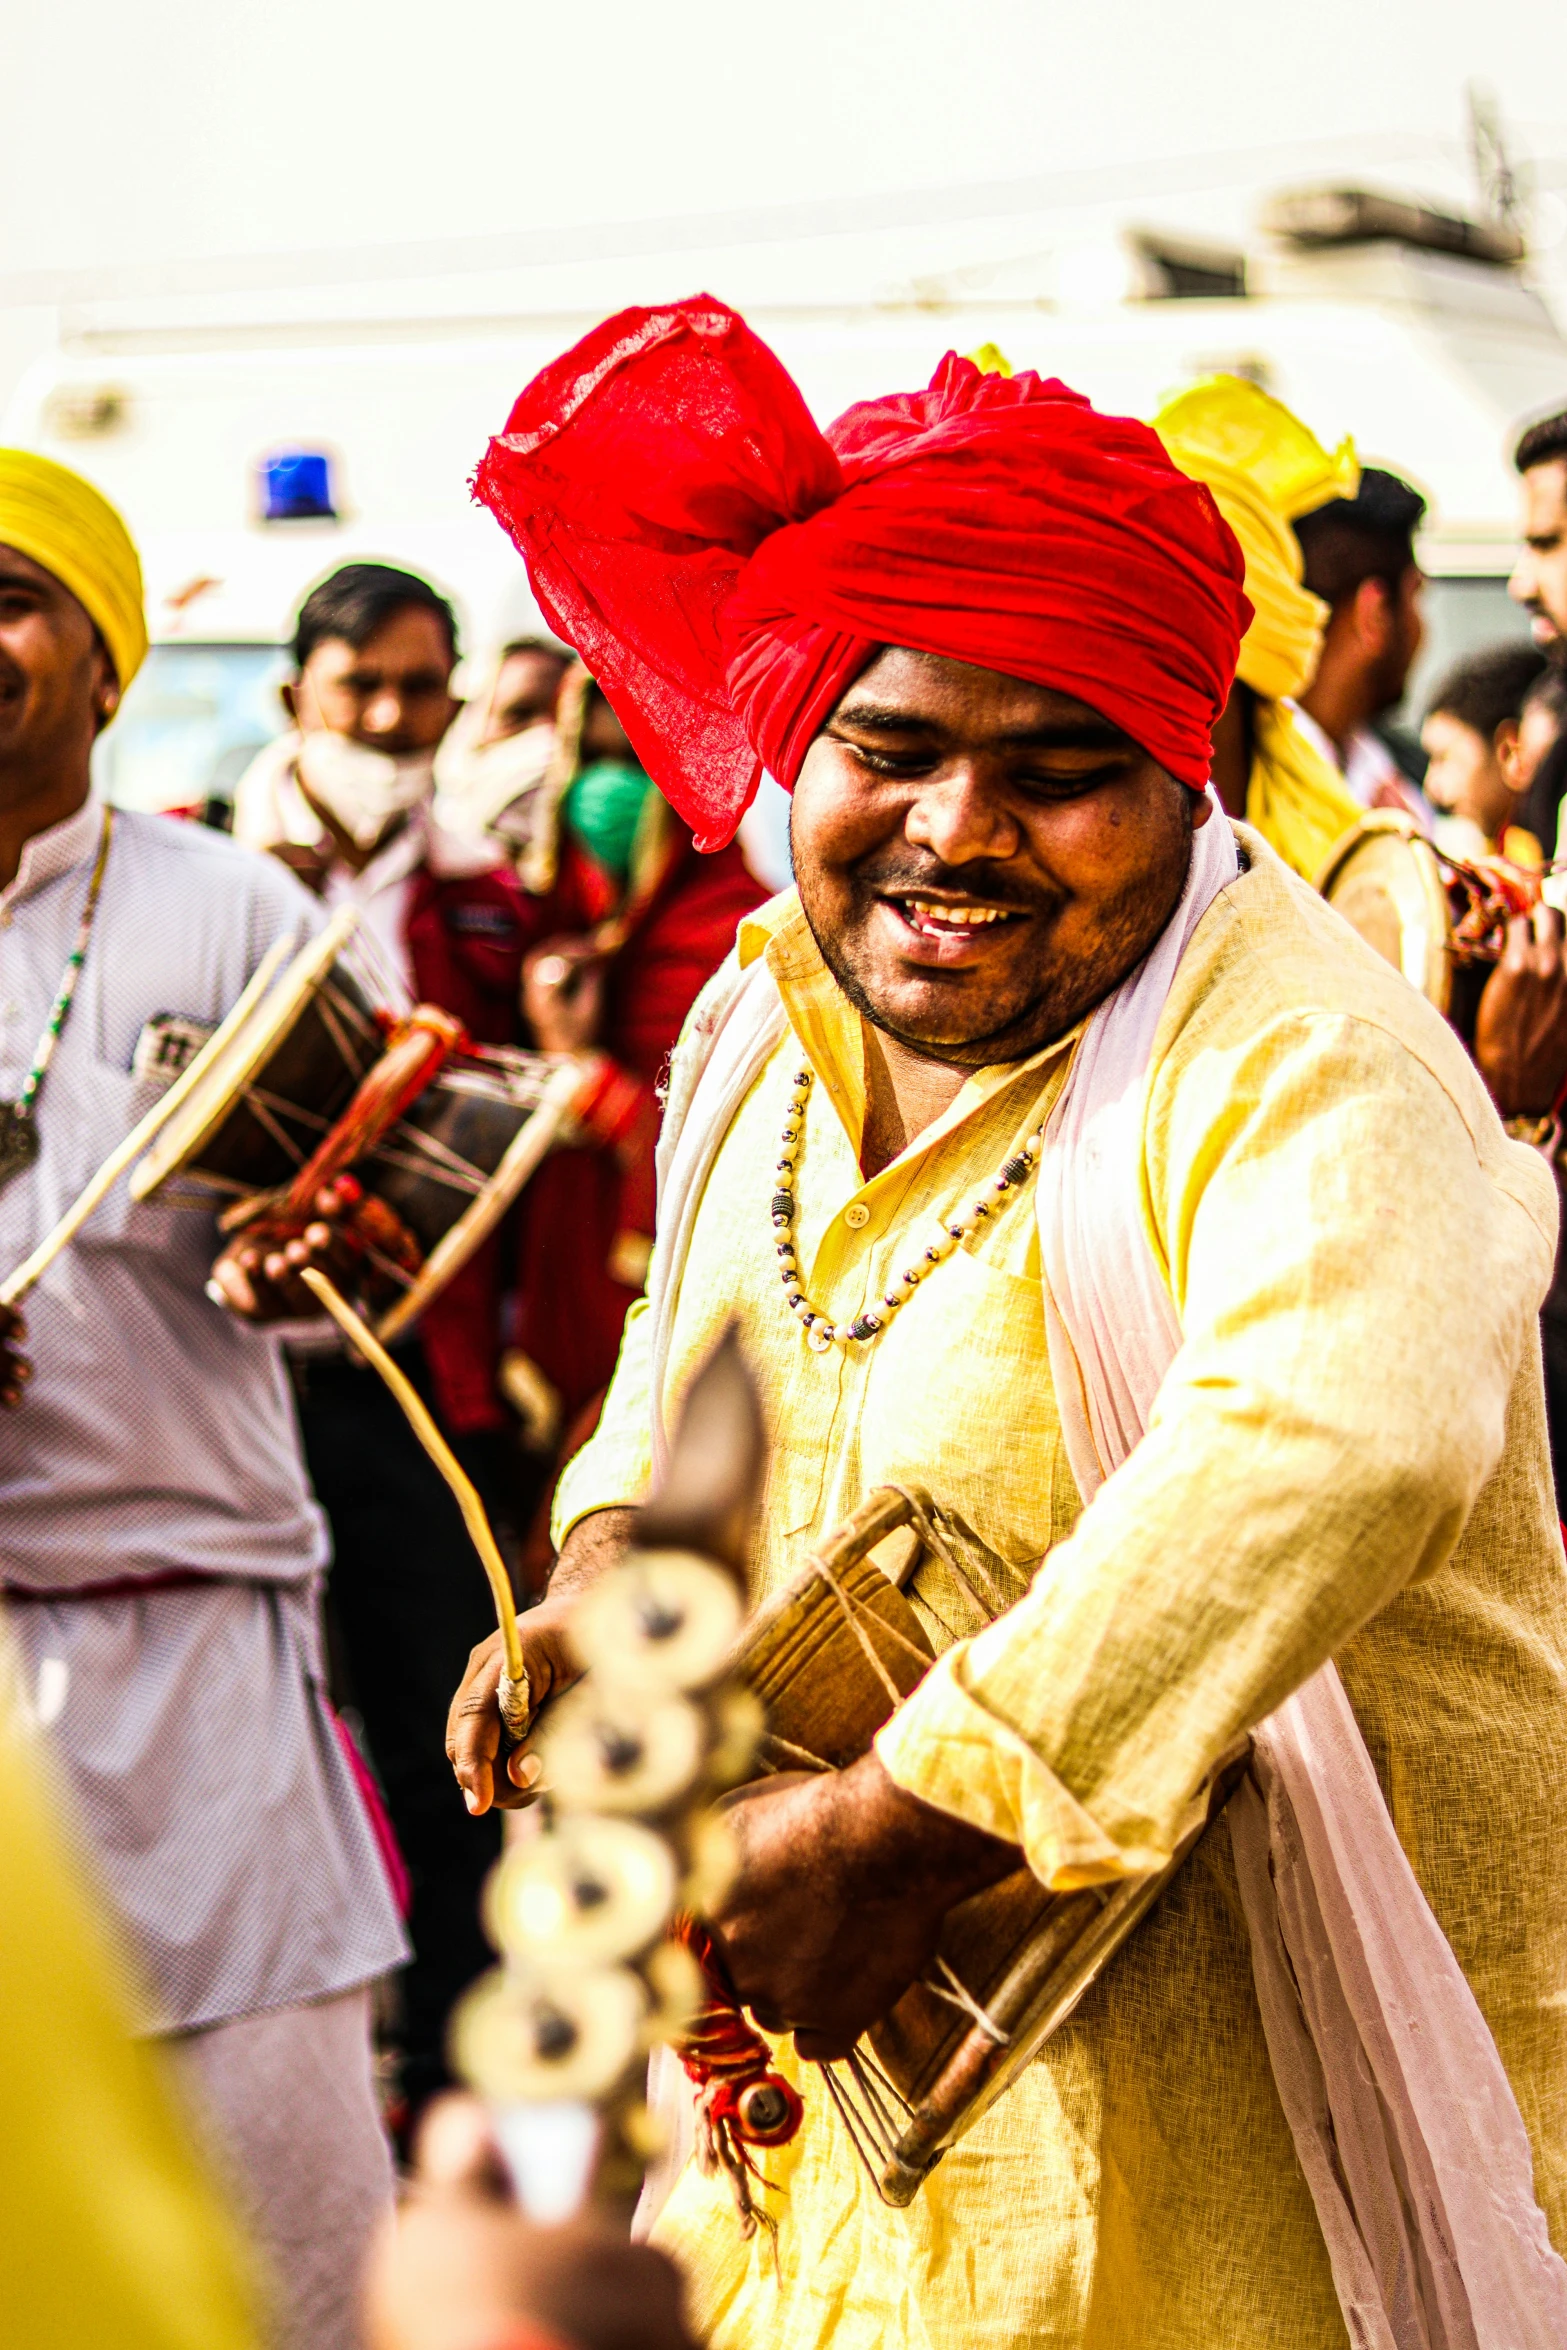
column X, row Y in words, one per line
column 740, row 2101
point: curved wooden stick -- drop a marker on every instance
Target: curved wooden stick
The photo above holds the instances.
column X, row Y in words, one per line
column 514, row 1678
column 32, row 1269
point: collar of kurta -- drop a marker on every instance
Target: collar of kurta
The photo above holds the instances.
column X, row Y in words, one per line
column 56, row 851
column 833, row 1033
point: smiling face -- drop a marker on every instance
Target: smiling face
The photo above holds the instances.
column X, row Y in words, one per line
column 57, row 683
column 981, row 861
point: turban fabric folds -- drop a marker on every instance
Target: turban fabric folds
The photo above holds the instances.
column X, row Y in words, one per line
column 58, row 520
column 726, row 570
column 1265, row 468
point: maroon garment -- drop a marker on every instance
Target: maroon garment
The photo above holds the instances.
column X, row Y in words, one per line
column 726, row 570
column 570, row 1307
column 466, row 939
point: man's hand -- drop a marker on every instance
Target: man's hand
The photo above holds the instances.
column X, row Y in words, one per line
column 260, row 1281
column 837, row 1905
column 473, row 1726
column 15, row 1369
column 563, row 995
column 459, row 2268
column 1521, row 1026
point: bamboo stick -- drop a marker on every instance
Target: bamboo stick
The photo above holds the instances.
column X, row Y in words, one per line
column 514, row 1678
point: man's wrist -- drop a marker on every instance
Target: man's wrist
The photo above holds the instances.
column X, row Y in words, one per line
column 910, row 1846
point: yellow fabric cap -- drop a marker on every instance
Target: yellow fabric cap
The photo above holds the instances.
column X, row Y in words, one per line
column 52, row 515
column 1264, row 469
column 990, row 359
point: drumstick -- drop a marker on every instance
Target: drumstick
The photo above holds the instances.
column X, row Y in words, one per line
column 514, row 1677
column 32, row 1269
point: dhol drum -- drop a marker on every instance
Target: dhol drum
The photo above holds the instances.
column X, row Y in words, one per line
column 1434, row 917
column 320, row 1082
column 831, row 1657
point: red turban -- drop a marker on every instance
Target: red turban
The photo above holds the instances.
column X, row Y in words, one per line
column 726, row 570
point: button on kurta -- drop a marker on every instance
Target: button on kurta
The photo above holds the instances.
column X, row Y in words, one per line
column 857, row 1216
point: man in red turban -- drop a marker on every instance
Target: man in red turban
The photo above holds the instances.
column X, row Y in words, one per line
column 725, row 570
column 1040, row 1142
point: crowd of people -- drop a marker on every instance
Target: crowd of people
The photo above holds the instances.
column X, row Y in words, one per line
column 1269, row 1376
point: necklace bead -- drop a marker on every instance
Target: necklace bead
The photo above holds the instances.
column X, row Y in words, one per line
column 820, row 1334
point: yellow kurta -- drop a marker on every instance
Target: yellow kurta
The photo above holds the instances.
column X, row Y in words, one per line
column 1348, row 1458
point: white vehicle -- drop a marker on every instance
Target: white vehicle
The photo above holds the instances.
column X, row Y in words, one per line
column 1414, row 332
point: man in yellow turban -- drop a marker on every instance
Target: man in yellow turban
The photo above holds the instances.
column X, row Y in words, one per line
column 160, row 1552
column 1265, row 470
column 57, row 520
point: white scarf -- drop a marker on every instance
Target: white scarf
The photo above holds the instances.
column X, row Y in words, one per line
column 1403, row 2118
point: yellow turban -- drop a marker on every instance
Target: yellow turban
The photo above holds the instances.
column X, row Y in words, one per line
column 52, row 515
column 1265, row 470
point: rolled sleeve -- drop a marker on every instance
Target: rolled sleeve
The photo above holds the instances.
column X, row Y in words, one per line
column 1357, row 1264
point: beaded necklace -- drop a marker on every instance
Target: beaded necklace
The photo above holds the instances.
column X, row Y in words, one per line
column 18, row 1122
column 819, row 1332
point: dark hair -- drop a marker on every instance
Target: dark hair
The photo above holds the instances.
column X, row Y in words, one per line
column 1550, row 691
column 1368, row 536
column 1486, row 689
column 359, row 600
column 538, row 644
column 1542, row 442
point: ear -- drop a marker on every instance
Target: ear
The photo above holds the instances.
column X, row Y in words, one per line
column 1373, row 615
column 288, row 695
column 106, row 693
column 1504, row 743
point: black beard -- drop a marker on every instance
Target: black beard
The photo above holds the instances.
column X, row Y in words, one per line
column 1058, row 992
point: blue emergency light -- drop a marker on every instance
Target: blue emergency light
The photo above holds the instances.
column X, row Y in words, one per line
column 296, row 486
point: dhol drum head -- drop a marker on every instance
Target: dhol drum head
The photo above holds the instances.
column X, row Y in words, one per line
column 287, row 1073
column 1385, row 878
column 451, row 1141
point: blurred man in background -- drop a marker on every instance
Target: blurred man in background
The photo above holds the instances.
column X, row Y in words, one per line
column 1539, row 583
column 1539, row 579
column 494, row 759
column 160, row 1554
column 1360, row 559
column 625, row 924
column 1264, row 468
column 345, row 801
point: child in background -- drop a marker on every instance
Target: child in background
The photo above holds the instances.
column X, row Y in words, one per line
column 1472, row 738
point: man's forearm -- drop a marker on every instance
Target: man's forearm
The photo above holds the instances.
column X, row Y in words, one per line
column 594, row 1543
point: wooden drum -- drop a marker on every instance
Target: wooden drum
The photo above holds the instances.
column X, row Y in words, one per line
column 319, row 1081
column 830, row 1657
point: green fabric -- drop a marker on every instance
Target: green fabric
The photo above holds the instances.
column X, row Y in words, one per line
column 602, row 810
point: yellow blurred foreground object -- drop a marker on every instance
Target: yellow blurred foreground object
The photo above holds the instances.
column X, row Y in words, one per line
column 109, row 2235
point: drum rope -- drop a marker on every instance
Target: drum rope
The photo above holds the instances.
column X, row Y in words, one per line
column 872, row 1653
column 991, row 1600
column 334, row 1011
column 414, row 1152
column 957, row 1994
column 796, row 1754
